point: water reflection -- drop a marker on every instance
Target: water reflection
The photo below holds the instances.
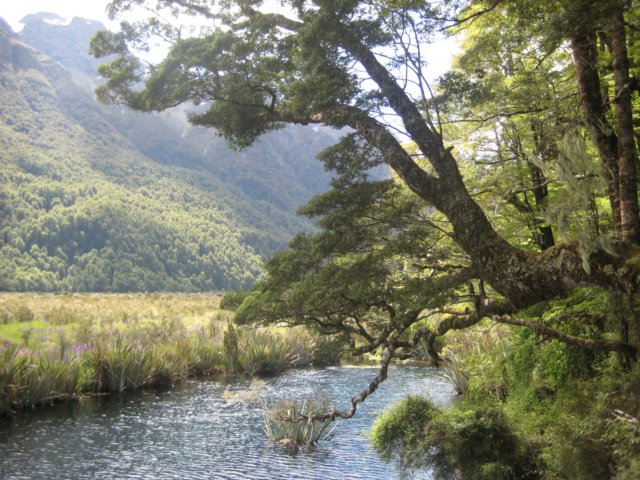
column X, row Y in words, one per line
column 194, row 432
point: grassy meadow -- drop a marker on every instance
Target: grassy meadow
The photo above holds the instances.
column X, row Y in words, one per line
column 59, row 347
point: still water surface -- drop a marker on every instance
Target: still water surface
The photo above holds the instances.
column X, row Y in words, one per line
column 194, row 433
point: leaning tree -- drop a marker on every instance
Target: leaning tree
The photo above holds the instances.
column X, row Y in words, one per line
column 391, row 253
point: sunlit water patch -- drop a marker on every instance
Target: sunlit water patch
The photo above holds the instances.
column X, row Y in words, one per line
column 195, row 433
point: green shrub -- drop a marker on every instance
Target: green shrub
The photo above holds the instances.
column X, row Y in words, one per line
column 475, row 444
column 232, row 300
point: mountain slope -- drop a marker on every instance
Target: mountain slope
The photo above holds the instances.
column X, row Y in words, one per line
column 280, row 169
column 85, row 207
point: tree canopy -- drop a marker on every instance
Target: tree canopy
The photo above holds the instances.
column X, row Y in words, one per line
column 514, row 176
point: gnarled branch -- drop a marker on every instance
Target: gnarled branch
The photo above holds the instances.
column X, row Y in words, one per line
column 588, row 343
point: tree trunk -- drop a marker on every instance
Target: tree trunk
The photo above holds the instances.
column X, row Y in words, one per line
column 546, row 150
column 523, row 278
column 585, row 57
column 628, row 157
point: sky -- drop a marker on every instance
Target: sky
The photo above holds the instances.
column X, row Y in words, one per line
column 14, row 10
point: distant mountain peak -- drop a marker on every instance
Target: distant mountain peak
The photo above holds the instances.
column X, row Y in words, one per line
column 63, row 39
column 48, row 17
column 55, row 19
column 15, row 53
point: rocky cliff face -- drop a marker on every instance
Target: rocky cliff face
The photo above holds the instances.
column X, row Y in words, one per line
column 15, row 54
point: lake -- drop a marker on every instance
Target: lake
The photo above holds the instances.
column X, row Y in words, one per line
column 197, row 432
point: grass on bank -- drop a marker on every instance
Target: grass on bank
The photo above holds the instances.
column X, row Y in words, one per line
column 59, row 347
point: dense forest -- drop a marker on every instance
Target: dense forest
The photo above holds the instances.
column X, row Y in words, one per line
column 96, row 198
column 505, row 247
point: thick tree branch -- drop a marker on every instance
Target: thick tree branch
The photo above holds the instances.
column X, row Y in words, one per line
column 588, row 343
column 378, row 136
column 274, row 19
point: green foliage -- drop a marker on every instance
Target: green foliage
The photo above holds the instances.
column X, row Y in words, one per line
column 402, row 427
column 96, row 199
column 584, row 439
column 560, row 399
column 232, row 300
column 70, row 228
column 477, row 444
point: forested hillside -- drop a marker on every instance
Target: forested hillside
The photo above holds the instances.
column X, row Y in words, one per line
column 97, row 198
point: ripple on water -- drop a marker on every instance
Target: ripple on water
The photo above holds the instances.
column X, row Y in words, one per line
column 194, row 433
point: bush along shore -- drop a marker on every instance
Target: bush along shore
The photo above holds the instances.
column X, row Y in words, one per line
column 59, row 348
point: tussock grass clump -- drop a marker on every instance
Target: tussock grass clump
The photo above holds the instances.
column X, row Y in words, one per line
column 48, row 380
column 121, row 368
column 263, row 353
column 290, row 422
column 230, row 346
column 251, row 396
column 28, row 380
column 12, row 365
column 202, row 359
column 455, row 374
column 307, row 348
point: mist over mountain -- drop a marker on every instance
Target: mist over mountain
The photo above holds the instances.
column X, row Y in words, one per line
column 99, row 198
